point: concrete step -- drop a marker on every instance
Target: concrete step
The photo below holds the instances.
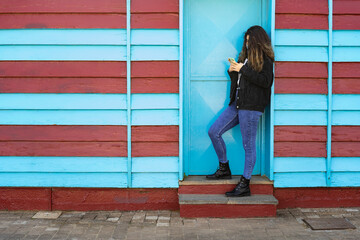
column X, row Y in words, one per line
column 198, row 184
column 219, row 205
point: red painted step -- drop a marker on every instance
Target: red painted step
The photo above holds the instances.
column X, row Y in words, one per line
column 199, row 197
column 201, row 185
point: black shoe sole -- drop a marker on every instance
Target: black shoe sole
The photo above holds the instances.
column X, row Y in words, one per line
column 226, row 177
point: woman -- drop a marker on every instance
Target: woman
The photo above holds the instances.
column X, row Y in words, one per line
column 251, row 80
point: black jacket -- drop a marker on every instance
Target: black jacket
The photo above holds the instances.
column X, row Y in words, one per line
column 255, row 87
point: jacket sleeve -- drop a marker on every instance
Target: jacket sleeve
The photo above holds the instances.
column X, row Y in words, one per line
column 232, row 75
column 263, row 78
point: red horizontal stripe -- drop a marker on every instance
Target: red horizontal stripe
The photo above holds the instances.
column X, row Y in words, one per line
column 155, row 85
column 155, row 133
column 346, row 69
column 155, row 20
column 28, row 198
column 95, row 149
column 152, row 69
column 85, row 199
column 345, row 133
column 157, row 6
column 315, row 197
column 345, row 149
column 347, row 22
column 63, row 85
column 66, row 20
column 300, row 149
column 62, row 69
column 346, row 85
column 301, row 69
column 301, row 85
column 62, row 133
column 301, row 21
column 302, row 6
column 346, row 7
column 63, row 6
column 300, row 133
column 154, row 149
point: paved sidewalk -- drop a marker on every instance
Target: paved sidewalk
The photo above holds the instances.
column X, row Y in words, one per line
column 168, row 225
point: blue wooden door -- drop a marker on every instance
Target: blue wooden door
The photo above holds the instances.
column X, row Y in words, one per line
column 214, row 31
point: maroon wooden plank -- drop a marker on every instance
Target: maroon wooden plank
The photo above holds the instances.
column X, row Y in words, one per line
column 62, row 133
column 345, row 133
column 311, row 197
column 70, row 20
column 91, row 149
column 63, row 6
column 86, row 199
column 301, row 21
column 155, row 20
column 155, row 85
column 346, row 69
column 154, row 149
column 154, row 6
column 346, row 85
column 301, row 69
column 28, row 198
column 142, row 69
column 300, row 149
column 227, row 210
column 346, row 7
column 62, row 85
column 345, row 149
column 302, row 6
column 222, row 188
column 346, row 22
column 63, row 69
column 300, row 134
column 166, row 133
column 301, row 85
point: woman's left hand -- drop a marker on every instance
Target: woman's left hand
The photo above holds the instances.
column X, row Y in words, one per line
column 235, row 67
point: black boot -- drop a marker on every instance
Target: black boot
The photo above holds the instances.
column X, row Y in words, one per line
column 241, row 189
column 223, row 172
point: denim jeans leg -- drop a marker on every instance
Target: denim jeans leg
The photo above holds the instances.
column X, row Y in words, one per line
column 227, row 120
column 249, row 120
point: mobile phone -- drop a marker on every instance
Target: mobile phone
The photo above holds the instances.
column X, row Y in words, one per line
column 231, row 59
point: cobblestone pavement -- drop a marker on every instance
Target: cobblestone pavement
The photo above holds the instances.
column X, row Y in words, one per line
column 288, row 224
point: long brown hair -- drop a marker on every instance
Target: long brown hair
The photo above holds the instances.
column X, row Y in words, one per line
column 259, row 44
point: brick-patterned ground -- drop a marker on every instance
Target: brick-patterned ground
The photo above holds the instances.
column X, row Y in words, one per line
column 169, row 225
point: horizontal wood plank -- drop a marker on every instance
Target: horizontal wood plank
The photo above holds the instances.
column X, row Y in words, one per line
column 345, row 149
column 346, row 69
column 301, row 69
column 346, row 85
column 91, row 149
column 154, row 149
column 154, row 85
column 141, row 69
column 63, row 69
column 302, row 6
column 300, row 149
column 55, row 133
column 63, row 6
column 155, row 20
column 345, row 133
column 64, row 20
column 300, row 134
column 347, row 22
column 155, row 133
column 154, row 6
column 301, row 21
column 301, row 85
column 62, row 85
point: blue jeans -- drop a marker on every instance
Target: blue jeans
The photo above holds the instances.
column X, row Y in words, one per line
column 228, row 119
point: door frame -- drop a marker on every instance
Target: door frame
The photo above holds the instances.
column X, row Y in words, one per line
column 266, row 151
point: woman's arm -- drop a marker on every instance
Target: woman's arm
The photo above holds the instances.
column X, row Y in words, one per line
column 263, row 78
